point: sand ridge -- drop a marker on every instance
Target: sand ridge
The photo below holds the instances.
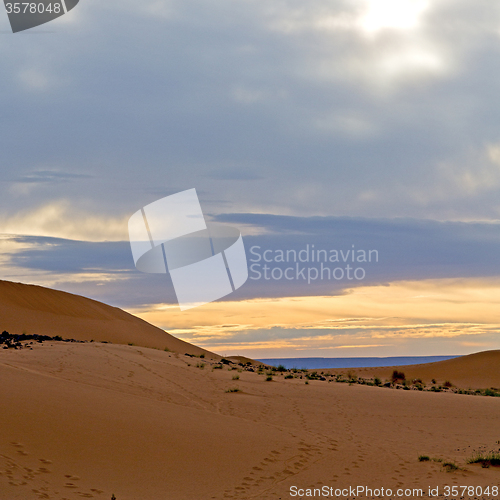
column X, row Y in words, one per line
column 34, row 309
column 478, row 370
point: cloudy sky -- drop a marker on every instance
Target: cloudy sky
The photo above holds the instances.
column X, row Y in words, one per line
column 371, row 123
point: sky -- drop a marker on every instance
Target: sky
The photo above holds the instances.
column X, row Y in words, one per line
column 347, row 125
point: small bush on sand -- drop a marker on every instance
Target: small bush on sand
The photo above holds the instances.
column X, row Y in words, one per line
column 397, row 376
column 233, row 389
column 236, row 377
column 486, row 460
column 217, row 367
column 423, row 458
column 289, row 376
column 491, row 392
column 269, row 378
column 448, row 384
column 450, row 466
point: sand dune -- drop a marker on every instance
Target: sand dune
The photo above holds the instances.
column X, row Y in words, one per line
column 89, row 420
column 35, row 309
column 478, row 371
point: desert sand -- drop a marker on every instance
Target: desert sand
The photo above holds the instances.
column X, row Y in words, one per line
column 91, row 420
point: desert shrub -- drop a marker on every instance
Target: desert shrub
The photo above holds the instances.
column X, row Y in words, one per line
column 396, row 376
column 492, row 458
column 217, row 367
column 236, row 377
column 269, row 378
column 113, row 497
column 450, row 466
column 423, row 458
column 433, row 380
column 200, row 365
column 377, row 381
column 289, row 376
column 202, row 356
column 448, row 384
column 491, row 392
column 281, row 368
column 166, row 349
column 233, row 389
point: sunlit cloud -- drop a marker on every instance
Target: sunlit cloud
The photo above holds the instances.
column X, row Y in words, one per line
column 60, row 220
column 394, row 14
column 428, row 309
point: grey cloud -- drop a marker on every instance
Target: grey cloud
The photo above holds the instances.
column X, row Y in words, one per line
column 50, row 176
column 407, row 250
column 171, row 93
column 234, row 174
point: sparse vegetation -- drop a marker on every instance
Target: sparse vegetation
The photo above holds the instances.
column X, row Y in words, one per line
column 491, row 392
column 217, row 367
column 233, row 389
column 288, row 376
column 398, row 377
column 269, row 377
column 423, row 458
column 492, row 458
column 236, row 377
column 450, row 466
column 201, row 366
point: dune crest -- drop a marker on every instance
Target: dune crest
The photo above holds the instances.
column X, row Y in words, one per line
column 34, row 309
